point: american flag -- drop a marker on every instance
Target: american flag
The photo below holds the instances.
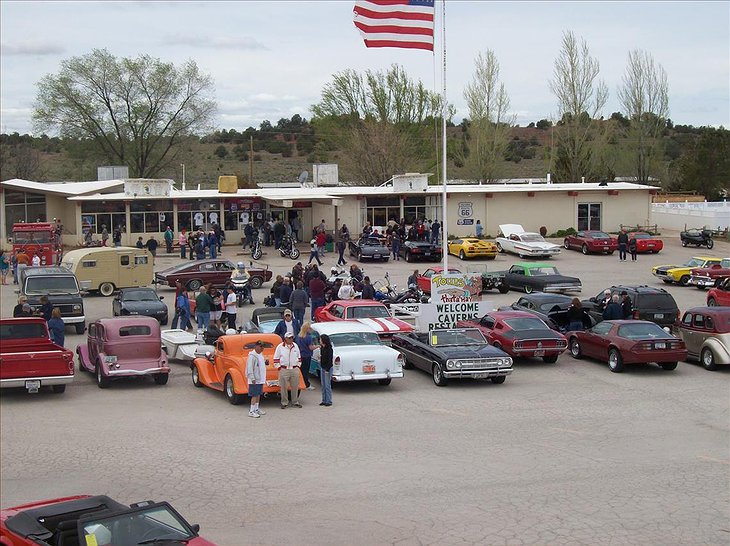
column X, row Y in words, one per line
column 395, row 23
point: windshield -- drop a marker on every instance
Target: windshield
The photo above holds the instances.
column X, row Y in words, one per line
column 599, row 235
column 31, row 237
column 642, row 236
column 371, row 242
column 695, row 263
column 647, row 330
column 450, row 338
column 355, row 338
column 38, row 285
column 526, row 323
column 547, row 270
column 532, row 238
column 140, row 295
column 551, row 305
column 156, row 523
column 369, row 311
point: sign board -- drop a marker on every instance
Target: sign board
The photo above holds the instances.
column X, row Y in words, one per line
column 325, row 174
column 465, row 222
column 410, row 182
column 455, row 288
column 141, row 187
column 434, row 316
column 465, row 209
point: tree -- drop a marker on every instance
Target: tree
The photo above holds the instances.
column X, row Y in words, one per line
column 19, row 158
column 644, row 95
column 136, row 111
column 581, row 97
column 705, row 168
column 487, row 136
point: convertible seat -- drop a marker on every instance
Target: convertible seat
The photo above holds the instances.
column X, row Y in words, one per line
column 67, row 533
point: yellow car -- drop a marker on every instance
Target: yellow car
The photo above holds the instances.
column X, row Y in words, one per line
column 681, row 273
column 472, row 248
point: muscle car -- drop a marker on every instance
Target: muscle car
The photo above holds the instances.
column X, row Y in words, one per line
column 646, row 243
column 473, row 248
column 706, row 333
column 682, row 273
column 540, row 277
column 195, row 274
column 368, row 312
column 140, row 301
column 369, row 248
column 621, row 342
column 707, row 277
column 516, row 240
column 459, row 353
column 720, row 295
column 591, row 242
column 420, row 250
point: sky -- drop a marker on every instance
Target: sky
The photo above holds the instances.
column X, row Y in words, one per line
column 271, row 60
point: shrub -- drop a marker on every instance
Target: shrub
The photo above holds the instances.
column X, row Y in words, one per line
column 563, row 233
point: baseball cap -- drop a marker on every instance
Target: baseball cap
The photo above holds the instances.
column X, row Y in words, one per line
column 287, row 312
column 288, row 335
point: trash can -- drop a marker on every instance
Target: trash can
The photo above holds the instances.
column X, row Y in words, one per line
column 329, row 247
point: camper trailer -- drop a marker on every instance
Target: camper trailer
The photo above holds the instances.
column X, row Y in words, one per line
column 105, row 269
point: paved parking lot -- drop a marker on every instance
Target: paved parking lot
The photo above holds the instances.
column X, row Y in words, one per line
column 564, row 453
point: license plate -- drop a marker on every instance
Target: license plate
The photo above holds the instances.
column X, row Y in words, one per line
column 33, row 386
column 660, row 345
column 605, row 248
column 650, row 245
column 111, row 359
column 273, row 383
column 377, row 256
column 426, row 253
column 479, row 375
column 368, row 368
column 540, row 352
column 658, row 315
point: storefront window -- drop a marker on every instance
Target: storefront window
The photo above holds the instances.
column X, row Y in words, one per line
column 151, row 216
column 380, row 210
column 198, row 213
column 414, row 208
column 97, row 214
column 23, row 207
column 589, row 216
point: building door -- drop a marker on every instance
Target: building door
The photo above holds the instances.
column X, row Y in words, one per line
column 589, row 216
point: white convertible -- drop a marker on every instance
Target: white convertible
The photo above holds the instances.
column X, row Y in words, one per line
column 518, row 241
column 358, row 353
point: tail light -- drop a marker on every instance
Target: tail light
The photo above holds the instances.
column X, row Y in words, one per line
column 643, row 346
column 471, row 249
column 400, row 360
column 337, row 361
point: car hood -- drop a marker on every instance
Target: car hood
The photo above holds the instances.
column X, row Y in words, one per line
column 144, row 306
column 665, row 268
column 386, row 325
column 476, row 351
column 533, row 334
column 509, row 229
column 559, row 279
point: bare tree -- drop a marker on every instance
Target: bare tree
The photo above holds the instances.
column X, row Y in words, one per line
column 135, row 110
column 644, row 96
column 581, row 97
column 489, row 119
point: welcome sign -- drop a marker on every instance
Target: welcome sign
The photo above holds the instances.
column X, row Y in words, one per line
column 454, row 297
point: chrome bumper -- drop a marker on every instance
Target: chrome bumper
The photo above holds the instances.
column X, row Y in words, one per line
column 702, row 281
column 469, row 374
column 148, row 371
column 343, row 377
column 74, row 320
column 45, row 381
column 562, row 289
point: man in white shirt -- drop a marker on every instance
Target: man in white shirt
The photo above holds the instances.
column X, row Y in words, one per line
column 36, row 261
column 346, row 292
column 288, row 360
column 256, row 375
column 231, row 307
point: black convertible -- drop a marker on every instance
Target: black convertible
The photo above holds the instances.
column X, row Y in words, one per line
column 369, row 248
column 140, row 301
column 420, row 250
column 551, row 308
column 264, row 320
column 459, row 353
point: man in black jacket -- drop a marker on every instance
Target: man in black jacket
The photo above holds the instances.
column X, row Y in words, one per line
column 623, row 241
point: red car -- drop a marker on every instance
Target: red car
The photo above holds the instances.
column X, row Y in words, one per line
column 706, row 277
column 621, row 342
column 591, row 242
column 520, row 334
column 424, row 279
column 646, row 243
column 720, row 295
column 369, row 312
column 195, row 274
column 96, row 520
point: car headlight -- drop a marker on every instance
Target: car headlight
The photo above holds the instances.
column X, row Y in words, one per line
column 450, row 364
column 77, row 307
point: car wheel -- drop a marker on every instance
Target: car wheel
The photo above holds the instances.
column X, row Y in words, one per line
column 667, row 281
column 575, row 350
column 552, row 359
column 164, row 321
column 294, row 253
column 233, row 398
column 101, row 381
column 385, row 382
column 359, row 255
column 195, row 375
column 584, row 249
column 711, row 302
column 566, row 245
column 528, row 289
column 406, row 364
column 58, row 389
column 498, row 380
column 409, row 259
column 707, row 358
column 684, row 280
column 610, row 252
column 106, row 289
column 710, row 243
column 499, row 248
column 80, row 327
column 438, row 375
column 503, row 288
column 462, row 256
column 684, row 243
column 256, row 282
column 161, row 378
column 194, row 285
column 668, row 366
column 615, row 362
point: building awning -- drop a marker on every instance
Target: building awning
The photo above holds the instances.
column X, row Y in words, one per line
column 287, row 201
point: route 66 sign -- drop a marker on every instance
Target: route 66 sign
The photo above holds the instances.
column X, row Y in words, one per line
column 465, row 210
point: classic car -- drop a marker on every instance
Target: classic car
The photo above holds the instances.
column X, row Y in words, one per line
column 697, row 237
column 588, row 242
column 124, row 347
column 140, row 301
column 540, row 277
column 646, row 243
column 424, row 279
column 357, row 353
column 30, row 360
column 224, row 369
column 707, row 277
column 62, row 289
column 682, row 273
column 648, row 303
column 516, row 240
column 264, row 320
column 550, row 308
column 472, row 248
column 95, row 520
column 706, row 333
column 457, row 353
column 420, row 250
column 369, row 248
column 720, row 295
column 368, row 312
column 621, row 342
column 520, row 334
column 194, row 274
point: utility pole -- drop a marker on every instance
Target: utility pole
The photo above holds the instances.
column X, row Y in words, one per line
column 183, row 176
column 250, row 161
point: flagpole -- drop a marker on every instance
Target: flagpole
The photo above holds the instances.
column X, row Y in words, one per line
column 444, row 106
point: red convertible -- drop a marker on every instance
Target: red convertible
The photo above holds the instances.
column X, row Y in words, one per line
column 591, row 241
column 621, row 342
column 368, row 312
column 424, row 279
column 646, row 243
column 520, row 334
column 720, row 295
column 97, row 520
column 707, row 277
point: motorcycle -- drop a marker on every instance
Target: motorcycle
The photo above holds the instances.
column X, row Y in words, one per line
column 242, row 290
column 288, row 249
column 697, row 237
column 256, row 251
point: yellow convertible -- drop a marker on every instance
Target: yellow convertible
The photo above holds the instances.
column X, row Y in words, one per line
column 472, row 248
column 682, row 273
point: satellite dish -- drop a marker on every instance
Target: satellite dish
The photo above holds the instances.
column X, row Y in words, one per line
column 303, row 177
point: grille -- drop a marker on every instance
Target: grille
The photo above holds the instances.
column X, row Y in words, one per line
column 478, row 364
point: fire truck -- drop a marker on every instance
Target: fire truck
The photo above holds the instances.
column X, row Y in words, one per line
column 38, row 239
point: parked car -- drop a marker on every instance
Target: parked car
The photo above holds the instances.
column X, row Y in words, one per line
column 458, row 353
column 621, row 342
column 30, row 360
column 591, row 242
column 369, row 248
column 706, row 333
column 357, row 353
column 540, row 277
column 105, row 269
column 648, row 303
column 516, row 240
column 720, row 295
column 697, row 237
column 264, row 320
column 646, row 243
column 681, row 273
column 368, row 312
column 96, row 520
column 472, row 248
column 550, row 308
column 520, row 334
column 140, row 301
column 424, row 279
column 124, row 347
column 194, row 274
column 62, row 289
column 420, row 250
column 224, row 369
column 707, row 277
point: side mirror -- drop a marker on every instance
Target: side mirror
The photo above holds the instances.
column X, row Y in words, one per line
column 162, row 297
column 592, row 299
column 195, row 527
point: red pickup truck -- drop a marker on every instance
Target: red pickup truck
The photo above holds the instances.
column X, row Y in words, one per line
column 29, row 359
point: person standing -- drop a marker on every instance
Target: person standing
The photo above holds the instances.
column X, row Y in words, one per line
column 435, row 232
column 325, row 369
column 395, row 240
column 169, row 236
column 298, row 302
column 117, row 236
column 23, row 261
column 216, row 312
column 296, row 227
column 36, row 260
column 614, row 310
column 479, row 229
column 56, row 327
column 317, row 288
column 367, row 292
column 575, row 315
column 285, row 292
column 231, row 303
column 287, row 325
column 104, row 235
column 192, row 243
column 4, row 267
column 213, row 244
column 256, row 375
column 46, row 309
column 203, row 305
column 182, row 311
column 343, row 239
column 182, row 240
column 18, row 309
column 633, row 247
column 314, row 251
column 279, row 231
column 626, row 305
column 306, row 346
column 288, row 361
column 151, row 245
column 623, row 241
column 321, row 239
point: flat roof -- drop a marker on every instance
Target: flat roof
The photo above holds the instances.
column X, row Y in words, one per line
column 62, row 188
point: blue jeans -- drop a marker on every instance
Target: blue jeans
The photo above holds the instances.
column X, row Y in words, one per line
column 299, row 315
column 184, row 320
column 575, row 327
column 316, row 304
column 314, row 255
column 325, row 377
column 396, row 249
column 183, row 250
column 203, row 320
column 213, row 249
column 622, row 251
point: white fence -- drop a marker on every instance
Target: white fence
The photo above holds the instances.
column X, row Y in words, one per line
column 715, row 215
